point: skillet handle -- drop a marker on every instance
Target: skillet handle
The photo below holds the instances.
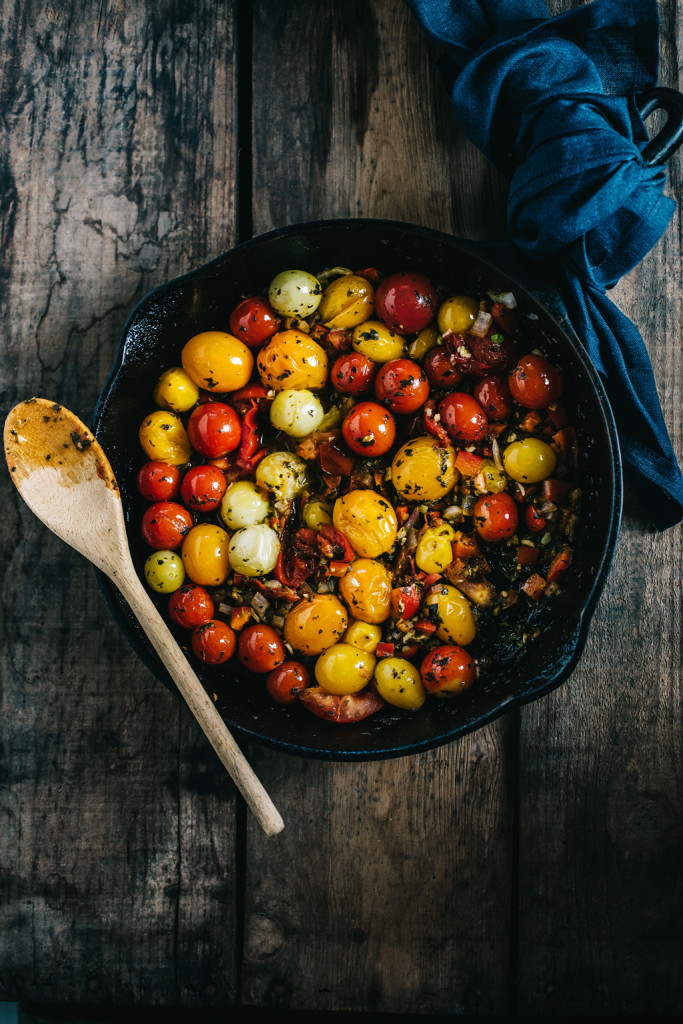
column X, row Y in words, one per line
column 667, row 141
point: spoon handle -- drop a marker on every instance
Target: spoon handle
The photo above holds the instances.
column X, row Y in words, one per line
column 199, row 702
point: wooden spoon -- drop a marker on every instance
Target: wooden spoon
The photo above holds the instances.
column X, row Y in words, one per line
column 64, row 477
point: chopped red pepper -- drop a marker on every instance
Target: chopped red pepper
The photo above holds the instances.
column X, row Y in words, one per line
column 410, row 650
column 468, row 463
column 241, row 399
column 239, row 617
column 504, row 319
column 402, row 514
column 526, row 555
column 435, row 428
column 559, row 564
column 250, row 451
column 534, row 586
column 337, row 569
column 431, row 579
column 466, row 545
column 531, row 421
column 557, row 491
column 384, row 650
column 566, row 445
column 558, row 416
column 425, row 627
column 405, row 601
column 336, row 458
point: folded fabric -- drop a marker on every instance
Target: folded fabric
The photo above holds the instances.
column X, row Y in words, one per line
column 552, row 103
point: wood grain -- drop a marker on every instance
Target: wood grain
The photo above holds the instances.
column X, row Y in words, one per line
column 118, row 847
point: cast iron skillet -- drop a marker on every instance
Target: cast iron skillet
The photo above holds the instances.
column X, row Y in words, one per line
column 202, row 300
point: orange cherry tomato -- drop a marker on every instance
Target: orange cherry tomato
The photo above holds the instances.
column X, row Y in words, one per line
column 159, row 481
column 369, row 429
column 534, row 382
column 288, row 681
column 203, row 488
column 165, row 525
column 260, row 648
column 190, row 606
column 447, row 670
column 213, row 642
column 402, row 386
column 496, row 517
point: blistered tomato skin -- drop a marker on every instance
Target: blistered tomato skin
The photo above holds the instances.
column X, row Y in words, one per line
column 434, row 549
column 174, row 390
column 260, row 648
column 451, row 613
column 165, row 524
column 295, row 293
column 398, row 682
column 534, row 382
column 366, row 589
column 190, row 606
column 343, row 669
column 447, row 671
column 422, row 470
column 159, row 481
column 374, row 340
column 367, row 520
column 440, row 367
column 286, row 683
column 493, row 395
column 205, row 555
column 217, row 361
column 253, row 321
column 495, row 517
column 529, row 461
column 213, row 642
column 314, row 625
column 163, row 438
column 203, row 488
column 353, row 374
column 457, row 314
column 214, row 429
column 406, row 302
column 292, row 359
column 369, row 429
column 402, row 386
column 463, row 417
column 164, row 571
column 346, row 302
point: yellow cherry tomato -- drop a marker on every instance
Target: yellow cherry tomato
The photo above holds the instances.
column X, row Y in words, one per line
column 217, row 362
column 423, row 471
column 434, row 548
column 174, row 390
column 347, row 301
column 364, row 635
column 163, row 438
column 451, row 611
column 490, row 479
column 366, row 588
column 205, row 555
column 315, row 624
column 398, row 682
column 164, row 571
column 529, row 461
column 292, row 360
column 375, row 340
column 457, row 314
column 343, row 669
column 368, row 522
column 316, row 514
column 427, row 339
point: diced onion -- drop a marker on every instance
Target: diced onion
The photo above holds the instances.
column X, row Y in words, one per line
column 481, row 324
column 506, row 299
column 495, row 451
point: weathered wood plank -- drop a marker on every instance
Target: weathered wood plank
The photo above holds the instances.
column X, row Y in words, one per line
column 601, row 793
column 118, row 163
column 389, row 890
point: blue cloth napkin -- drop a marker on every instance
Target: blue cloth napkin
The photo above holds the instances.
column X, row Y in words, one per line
column 550, row 101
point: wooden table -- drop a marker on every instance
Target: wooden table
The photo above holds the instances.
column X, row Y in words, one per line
column 533, row 865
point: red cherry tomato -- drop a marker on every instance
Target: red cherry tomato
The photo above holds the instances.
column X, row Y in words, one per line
column 493, row 395
column 369, row 429
column 203, row 487
column 260, row 648
column 534, row 382
column 447, row 670
column 214, row 429
column 532, row 520
column 190, row 606
column 288, row 681
column 157, row 481
column 402, row 385
column 253, row 321
column 213, row 642
column 406, row 302
column 441, row 368
column 463, row 417
column 165, row 524
column 495, row 517
column 353, row 374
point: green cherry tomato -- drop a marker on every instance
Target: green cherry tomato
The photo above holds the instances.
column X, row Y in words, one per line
column 164, row 571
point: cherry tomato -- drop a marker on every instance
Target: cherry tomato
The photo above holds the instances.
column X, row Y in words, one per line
column 213, row 642
column 253, row 321
column 441, row 368
column 287, row 682
column 214, row 429
column 260, row 648
column 351, row 707
column 447, row 670
column 463, row 417
column 159, row 481
column 203, row 488
column 190, row 606
column 534, row 382
column 493, row 395
column 402, row 385
column 165, row 524
column 495, row 517
column 353, row 374
column 532, row 520
column 406, row 302
column 369, row 429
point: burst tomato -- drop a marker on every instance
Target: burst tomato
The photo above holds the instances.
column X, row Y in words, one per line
column 463, row 417
column 253, row 321
column 214, row 429
column 402, row 386
column 165, row 524
column 369, row 429
column 203, row 488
